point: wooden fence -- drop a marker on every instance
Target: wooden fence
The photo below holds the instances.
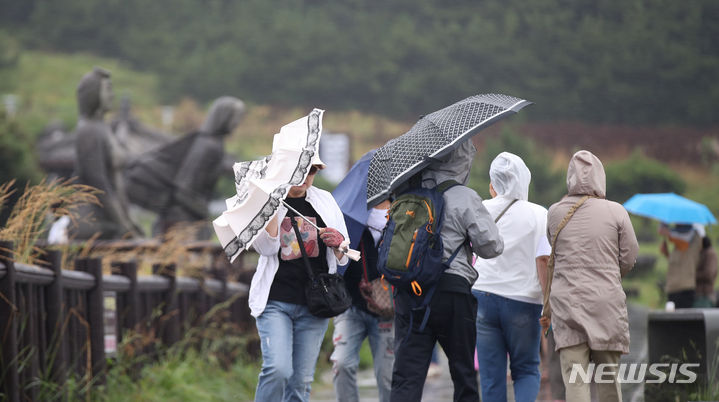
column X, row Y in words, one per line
column 53, row 321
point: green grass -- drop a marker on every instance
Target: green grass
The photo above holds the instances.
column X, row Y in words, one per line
column 210, row 363
column 45, row 84
column 184, row 378
column 650, row 294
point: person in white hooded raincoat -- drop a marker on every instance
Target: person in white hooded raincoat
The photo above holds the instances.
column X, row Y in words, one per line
column 508, row 291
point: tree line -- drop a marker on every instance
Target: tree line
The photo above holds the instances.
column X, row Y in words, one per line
column 644, row 62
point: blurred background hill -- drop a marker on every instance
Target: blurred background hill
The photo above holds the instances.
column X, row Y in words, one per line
column 634, row 81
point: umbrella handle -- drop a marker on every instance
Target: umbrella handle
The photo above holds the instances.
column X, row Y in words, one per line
column 300, row 215
column 353, row 255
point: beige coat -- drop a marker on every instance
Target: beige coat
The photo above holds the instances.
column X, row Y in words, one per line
column 682, row 266
column 594, row 251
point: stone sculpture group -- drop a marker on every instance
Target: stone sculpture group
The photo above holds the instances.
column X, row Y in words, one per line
column 173, row 177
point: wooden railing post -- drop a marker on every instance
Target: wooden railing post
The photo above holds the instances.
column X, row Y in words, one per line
column 128, row 308
column 170, row 322
column 55, row 317
column 78, row 328
column 221, row 275
column 8, row 325
column 96, row 320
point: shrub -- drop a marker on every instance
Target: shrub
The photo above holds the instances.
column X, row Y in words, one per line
column 640, row 174
column 547, row 185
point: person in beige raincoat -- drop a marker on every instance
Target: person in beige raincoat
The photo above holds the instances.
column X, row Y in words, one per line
column 595, row 249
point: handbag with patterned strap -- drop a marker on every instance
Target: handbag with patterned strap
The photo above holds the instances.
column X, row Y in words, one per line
column 377, row 293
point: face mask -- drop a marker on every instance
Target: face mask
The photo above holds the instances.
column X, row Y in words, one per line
column 376, row 222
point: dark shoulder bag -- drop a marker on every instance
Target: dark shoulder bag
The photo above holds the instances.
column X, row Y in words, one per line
column 326, row 293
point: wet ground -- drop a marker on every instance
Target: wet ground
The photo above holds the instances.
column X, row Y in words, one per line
column 439, row 388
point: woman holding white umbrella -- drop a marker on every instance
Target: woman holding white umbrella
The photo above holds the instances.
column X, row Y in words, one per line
column 290, row 335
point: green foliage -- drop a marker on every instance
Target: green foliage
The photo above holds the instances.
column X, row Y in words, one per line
column 209, row 363
column 9, row 55
column 634, row 61
column 16, row 157
column 709, row 390
column 547, row 185
column 47, row 92
column 639, row 174
column 705, row 189
column 17, row 161
column 649, row 285
column 189, row 377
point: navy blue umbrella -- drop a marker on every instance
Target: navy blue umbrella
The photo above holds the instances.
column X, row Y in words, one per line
column 351, row 196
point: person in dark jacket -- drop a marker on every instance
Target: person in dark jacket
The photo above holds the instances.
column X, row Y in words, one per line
column 453, row 309
column 359, row 322
column 706, row 276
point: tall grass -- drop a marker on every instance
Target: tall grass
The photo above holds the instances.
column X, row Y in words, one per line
column 163, row 250
column 709, row 390
column 38, row 205
column 209, row 363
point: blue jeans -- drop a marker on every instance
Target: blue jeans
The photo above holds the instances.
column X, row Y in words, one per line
column 351, row 327
column 291, row 338
column 506, row 326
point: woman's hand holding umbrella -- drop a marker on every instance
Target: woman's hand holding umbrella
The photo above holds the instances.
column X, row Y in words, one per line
column 331, row 237
column 334, row 239
column 342, row 247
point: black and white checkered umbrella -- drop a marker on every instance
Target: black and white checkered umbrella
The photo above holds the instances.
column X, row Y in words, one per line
column 433, row 136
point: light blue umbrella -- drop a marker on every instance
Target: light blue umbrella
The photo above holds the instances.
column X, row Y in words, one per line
column 669, row 208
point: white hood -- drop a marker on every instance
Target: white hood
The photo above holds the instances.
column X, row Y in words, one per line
column 510, row 177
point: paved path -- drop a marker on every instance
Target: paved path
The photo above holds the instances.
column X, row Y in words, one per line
column 436, row 389
column 440, row 388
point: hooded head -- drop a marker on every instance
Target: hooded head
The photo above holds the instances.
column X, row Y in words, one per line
column 94, row 93
column 453, row 166
column 223, row 117
column 509, row 176
column 585, row 175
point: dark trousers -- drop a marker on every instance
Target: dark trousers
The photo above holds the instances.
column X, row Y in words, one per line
column 682, row 299
column 451, row 323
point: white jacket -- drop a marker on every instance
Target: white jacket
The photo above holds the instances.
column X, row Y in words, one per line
column 268, row 247
column 524, row 229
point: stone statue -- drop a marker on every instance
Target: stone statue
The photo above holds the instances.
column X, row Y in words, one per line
column 177, row 179
column 132, row 134
column 56, row 148
column 100, row 161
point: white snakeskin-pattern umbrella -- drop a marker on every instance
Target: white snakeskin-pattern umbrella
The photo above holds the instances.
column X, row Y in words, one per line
column 263, row 184
column 433, row 136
